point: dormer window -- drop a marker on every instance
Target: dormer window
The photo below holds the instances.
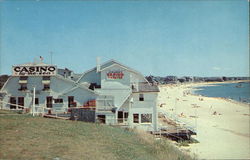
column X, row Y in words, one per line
column 23, row 80
column 46, row 78
column 46, row 87
column 23, row 87
column 46, row 83
column 23, row 83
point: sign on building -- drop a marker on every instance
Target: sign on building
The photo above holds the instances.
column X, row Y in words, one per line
column 34, row 70
column 115, row 75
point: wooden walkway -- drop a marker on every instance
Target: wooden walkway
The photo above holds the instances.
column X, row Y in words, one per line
column 172, row 130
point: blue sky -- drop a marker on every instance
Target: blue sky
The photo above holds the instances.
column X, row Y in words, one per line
column 193, row 38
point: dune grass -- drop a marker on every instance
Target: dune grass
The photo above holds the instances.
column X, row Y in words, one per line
column 27, row 137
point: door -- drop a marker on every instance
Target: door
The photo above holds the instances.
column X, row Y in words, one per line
column 49, row 102
column 21, row 102
column 12, row 102
column 120, row 117
column 125, row 116
column 136, row 118
column 71, row 101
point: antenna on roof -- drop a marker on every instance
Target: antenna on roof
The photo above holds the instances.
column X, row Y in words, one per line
column 98, row 66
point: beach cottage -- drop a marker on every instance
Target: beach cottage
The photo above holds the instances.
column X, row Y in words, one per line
column 117, row 94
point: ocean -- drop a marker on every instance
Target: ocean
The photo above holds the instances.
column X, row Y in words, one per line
column 235, row 91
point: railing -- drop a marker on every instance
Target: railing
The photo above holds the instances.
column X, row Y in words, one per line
column 36, row 109
column 18, row 107
column 90, row 103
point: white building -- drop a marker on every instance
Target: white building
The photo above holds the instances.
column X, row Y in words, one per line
column 119, row 94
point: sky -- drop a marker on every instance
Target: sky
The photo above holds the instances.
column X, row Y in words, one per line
column 180, row 38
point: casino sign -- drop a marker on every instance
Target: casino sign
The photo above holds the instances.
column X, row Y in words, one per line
column 34, row 70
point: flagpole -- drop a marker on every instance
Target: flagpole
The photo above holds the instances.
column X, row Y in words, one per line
column 41, row 59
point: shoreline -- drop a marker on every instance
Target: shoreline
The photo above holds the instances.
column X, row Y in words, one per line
column 222, row 124
column 206, row 83
column 191, row 87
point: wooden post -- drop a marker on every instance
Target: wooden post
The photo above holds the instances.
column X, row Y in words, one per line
column 34, row 97
column 130, row 116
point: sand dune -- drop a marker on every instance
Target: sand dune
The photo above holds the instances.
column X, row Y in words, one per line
column 222, row 125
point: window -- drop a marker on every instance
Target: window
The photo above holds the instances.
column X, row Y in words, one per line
column 23, row 78
column 146, row 118
column 136, row 118
column 12, row 102
column 141, row 97
column 59, row 100
column 37, row 101
column 20, row 102
column 23, row 87
column 46, row 87
column 46, row 78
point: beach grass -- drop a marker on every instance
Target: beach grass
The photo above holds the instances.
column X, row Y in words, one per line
column 25, row 137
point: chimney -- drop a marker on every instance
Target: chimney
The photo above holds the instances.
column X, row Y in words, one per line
column 98, row 67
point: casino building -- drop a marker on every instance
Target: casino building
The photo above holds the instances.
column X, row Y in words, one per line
column 117, row 94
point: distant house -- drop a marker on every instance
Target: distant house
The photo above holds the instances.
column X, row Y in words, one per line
column 171, row 79
column 118, row 94
column 213, row 79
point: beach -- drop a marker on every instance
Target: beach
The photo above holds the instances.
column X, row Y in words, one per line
column 222, row 125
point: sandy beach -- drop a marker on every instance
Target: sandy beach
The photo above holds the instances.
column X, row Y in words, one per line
column 222, row 125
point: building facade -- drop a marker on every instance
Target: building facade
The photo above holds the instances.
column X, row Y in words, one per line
column 117, row 93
